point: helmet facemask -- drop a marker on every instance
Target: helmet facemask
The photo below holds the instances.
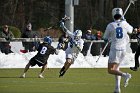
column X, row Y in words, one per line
column 77, row 34
column 77, row 38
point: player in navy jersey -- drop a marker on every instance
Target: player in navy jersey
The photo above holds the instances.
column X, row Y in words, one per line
column 137, row 54
column 40, row 59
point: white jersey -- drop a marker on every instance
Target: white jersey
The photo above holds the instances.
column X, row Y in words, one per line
column 117, row 33
column 74, row 46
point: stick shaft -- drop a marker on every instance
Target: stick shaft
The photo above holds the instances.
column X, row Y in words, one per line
column 127, row 8
column 102, row 51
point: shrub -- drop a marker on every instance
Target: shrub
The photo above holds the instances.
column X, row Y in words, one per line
column 16, row 32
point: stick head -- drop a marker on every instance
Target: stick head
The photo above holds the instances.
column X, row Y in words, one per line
column 132, row 1
column 66, row 18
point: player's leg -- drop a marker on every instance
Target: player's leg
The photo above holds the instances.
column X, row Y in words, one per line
column 31, row 63
column 25, row 70
column 42, row 71
column 112, row 69
column 67, row 64
column 135, row 68
column 115, row 58
column 117, row 84
column 65, row 67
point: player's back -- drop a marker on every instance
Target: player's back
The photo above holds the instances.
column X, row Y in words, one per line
column 44, row 51
column 118, row 34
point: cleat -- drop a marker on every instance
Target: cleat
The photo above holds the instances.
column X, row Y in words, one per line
column 134, row 68
column 127, row 78
column 117, row 91
column 62, row 73
column 22, row 76
column 40, row 76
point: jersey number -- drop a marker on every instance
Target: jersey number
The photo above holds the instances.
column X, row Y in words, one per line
column 43, row 50
column 119, row 32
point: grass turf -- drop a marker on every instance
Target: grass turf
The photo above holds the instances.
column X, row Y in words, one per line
column 76, row 80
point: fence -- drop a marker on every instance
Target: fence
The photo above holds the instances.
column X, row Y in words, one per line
column 41, row 39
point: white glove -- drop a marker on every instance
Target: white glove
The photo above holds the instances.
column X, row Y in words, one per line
column 62, row 24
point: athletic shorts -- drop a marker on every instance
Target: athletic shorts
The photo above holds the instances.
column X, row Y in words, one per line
column 72, row 53
column 33, row 61
column 116, row 56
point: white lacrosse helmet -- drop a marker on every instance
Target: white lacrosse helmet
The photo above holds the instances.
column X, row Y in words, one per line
column 77, row 34
column 117, row 11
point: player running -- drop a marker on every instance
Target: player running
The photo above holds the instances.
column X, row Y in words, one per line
column 44, row 50
column 116, row 33
column 75, row 46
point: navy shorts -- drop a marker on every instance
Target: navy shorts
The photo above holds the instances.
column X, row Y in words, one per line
column 33, row 61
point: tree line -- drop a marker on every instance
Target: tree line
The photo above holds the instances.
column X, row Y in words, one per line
column 95, row 14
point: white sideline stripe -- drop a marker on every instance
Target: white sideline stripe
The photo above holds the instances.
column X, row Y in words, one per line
column 53, row 82
column 84, row 83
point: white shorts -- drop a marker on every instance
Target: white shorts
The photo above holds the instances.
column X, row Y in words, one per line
column 72, row 53
column 72, row 56
column 116, row 56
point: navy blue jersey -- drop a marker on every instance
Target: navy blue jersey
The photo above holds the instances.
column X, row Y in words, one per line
column 44, row 50
column 138, row 38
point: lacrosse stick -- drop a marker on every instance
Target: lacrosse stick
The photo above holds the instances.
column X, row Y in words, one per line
column 130, row 2
column 66, row 18
column 102, row 51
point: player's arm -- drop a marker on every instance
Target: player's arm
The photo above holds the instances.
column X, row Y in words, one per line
column 54, row 50
column 39, row 47
column 62, row 25
column 128, row 27
column 106, row 34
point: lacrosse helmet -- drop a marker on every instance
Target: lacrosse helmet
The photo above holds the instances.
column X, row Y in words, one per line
column 48, row 40
column 117, row 13
column 77, row 34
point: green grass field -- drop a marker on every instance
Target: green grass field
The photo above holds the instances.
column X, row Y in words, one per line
column 80, row 80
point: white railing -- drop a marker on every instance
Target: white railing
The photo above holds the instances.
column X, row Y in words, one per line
column 41, row 39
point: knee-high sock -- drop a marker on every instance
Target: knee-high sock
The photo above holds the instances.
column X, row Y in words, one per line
column 118, row 81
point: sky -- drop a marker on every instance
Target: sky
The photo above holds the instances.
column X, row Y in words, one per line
column 19, row 60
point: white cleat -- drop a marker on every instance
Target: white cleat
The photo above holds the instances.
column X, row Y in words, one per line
column 22, row 76
column 40, row 76
column 127, row 78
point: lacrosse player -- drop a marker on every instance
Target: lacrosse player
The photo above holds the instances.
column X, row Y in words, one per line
column 116, row 33
column 75, row 46
column 44, row 50
column 137, row 54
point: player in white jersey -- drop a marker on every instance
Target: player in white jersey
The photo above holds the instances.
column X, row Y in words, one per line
column 75, row 46
column 117, row 33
